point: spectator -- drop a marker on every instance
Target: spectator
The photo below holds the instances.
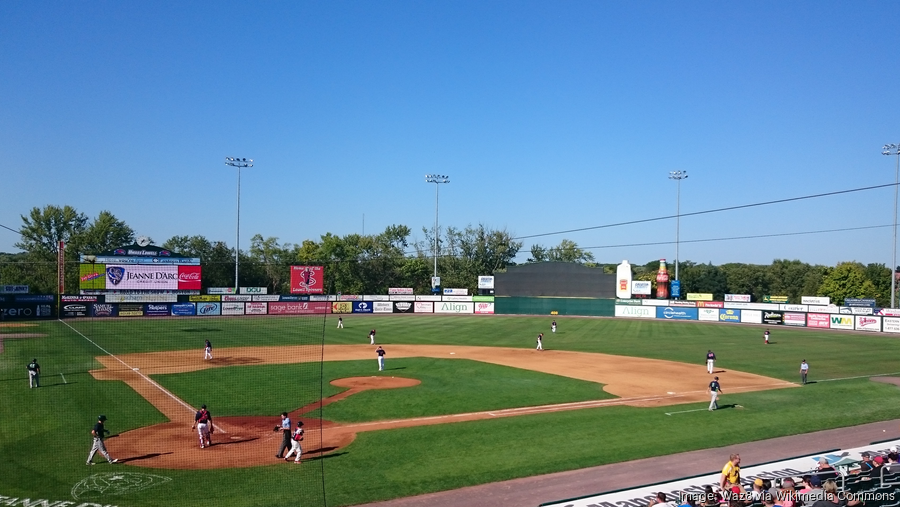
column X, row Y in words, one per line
column 825, row 471
column 866, row 465
column 893, row 466
column 661, row 501
column 769, row 500
column 711, row 498
column 731, row 473
column 757, row 491
column 812, row 484
column 788, row 494
column 689, row 501
column 877, row 463
column 830, row 497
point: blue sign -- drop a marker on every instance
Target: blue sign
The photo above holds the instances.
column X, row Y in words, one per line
column 209, row 308
column 49, row 298
column 184, row 309
column 729, row 315
column 104, row 310
column 677, row 313
column 863, row 303
column 675, row 287
column 362, row 307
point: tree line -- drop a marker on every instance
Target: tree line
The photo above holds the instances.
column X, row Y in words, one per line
column 370, row 264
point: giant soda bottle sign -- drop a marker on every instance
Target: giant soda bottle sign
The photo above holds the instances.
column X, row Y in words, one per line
column 623, row 280
column 662, row 281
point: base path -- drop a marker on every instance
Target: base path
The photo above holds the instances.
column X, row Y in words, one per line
column 250, row 441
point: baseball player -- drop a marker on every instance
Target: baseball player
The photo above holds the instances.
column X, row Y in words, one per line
column 804, row 370
column 540, row 341
column 203, row 423
column 766, row 336
column 34, row 374
column 553, row 327
column 380, row 352
column 340, row 323
column 372, row 337
column 285, row 434
column 710, row 361
column 208, row 350
column 99, row 433
column 296, row 450
column 714, row 391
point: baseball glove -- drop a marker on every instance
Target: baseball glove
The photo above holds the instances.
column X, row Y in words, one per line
column 276, row 428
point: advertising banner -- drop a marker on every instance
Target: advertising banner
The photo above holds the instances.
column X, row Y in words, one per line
column 254, row 290
column 400, row 291
column 485, row 282
column 234, row 299
column 685, row 304
column 307, row 280
column 776, row 299
column 793, row 308
column 13, row 289
column 189, row 277
column 733, row 298
column 752, row 306
column 342, row 307
column 70, row 310
column 141, row 277
column 675, row 285
column 220, row 290
column 291, row 298
column 204, row 299
column 890, row 312
column 79, row 299
column 841, row 322
column 751, row 316
column 458, row 298
column 156, row 310
column 452, row 307
column 141, row 298
column 104, row 310
column 318, row 298
column 92, row 276
column 817, row 320
column 670, row 313
column 815, row 300
column 383, row 307
column 484, row 308
column 124, row 259
column 631, row 302
column 434, row 298
column 402, row 298
column 362, row 307
column 435, row 282
column 209, row 309
column 184, row 309
column 653, row 302
column 636, row 312
column 256, row 308
column 860, row 310
column 710, row 304
column 773, row 318
column 824, row 309
column 456, row 292
column 424, row 307
column 795, row 319
column 699, row 296
column 270, row 297
column 403, row 306
column 299, row 308
column 731, row 316
column 376, row 298
column 859, row 302
column 890, row 324
column 483, row 299
column 708, row 314
column 868, row 323
column 641, row 287
column 25, row 311
column 131, row 310
column 33, row 298
column 349, row 297
column 232, row 308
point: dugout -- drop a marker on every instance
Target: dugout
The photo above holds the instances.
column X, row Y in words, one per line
column 563, row 287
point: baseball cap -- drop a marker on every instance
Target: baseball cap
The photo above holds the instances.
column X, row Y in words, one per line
column 879, row 459
column 717, row 378
column 758, row 482
column 736, row 490
column 102, row 418
column 893, row 448
column 866, row 454
column 202, row 406
column 815, row 481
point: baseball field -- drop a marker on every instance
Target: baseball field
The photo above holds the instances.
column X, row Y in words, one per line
column 462, row 401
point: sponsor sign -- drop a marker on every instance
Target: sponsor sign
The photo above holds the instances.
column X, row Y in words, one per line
column 362, row 307
column 104, row 310
column 686, row 304
column 484, row 308
column 376, row 298
column 184, row 309
column 890, row 324
column 776, row 299
column 403, row 307
column 141, row 298
column 26, row 311
column 737, row 298
column 483, row 299
column 841, row 322
column 299, row 308
column 270, row 297
column 458, row 298
column 486, row 282
column 772, row 318
column 201, row 299
column 92, row 276
column 456, row 292
column 653, row 302
column 641, row 287
column 859, row 302
column 824, row 309
column 861, row 310
column 220, row 290
column 254, row 290
column 729, row 315
column 79, row 299
column 13, row 289
column 382, row 307
column 291, row 298
column 815, row 300
column 116, row 259
column 891, row 312
column 454, row 307
column 402, row 298
column 794, row 319
column 751, row 316
column 233, row 299
column 635, row 312
column 349, row 297
column 708, row 314
column 751, row 306
column 435, row 282
column 35, row 298
column 318, row 298
column 710, row 304
column 424, row 307
column 156, row 310
column 675, row 287
column 699, row 296
column 631, row 302
column 209, row 309
column 74, row 310
column 670, row 313
column 793, row 308
column 435, row 298
column 256, row 308
column 307, row 280
column 400, row 290
column 342, row 307
column 131, row 310
column 232, row 308
column 142, row 277
column 817, row 320
column 868, row 323
column 189, row 277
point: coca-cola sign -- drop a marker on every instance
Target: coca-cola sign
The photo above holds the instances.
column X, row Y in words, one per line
column 189, row 277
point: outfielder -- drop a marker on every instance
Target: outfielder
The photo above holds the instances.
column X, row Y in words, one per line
column 296, row 450
column 540, row 341
column 208, row 350
column 203, row 423
column 99, row 433
column 766, row 336
column 380, row 352
column 714, row 390
column 372, row 337
column 34, row 374
column 553, row 327
column 710, row 361
column 340, row 323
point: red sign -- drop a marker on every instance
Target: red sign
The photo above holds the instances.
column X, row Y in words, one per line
column 710, row 304
column 307, row 280
column 189, row 277
column 299, row 308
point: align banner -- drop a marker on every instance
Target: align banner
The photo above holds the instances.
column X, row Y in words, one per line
column 635, row 312
column 454, row 307
column 307, row 280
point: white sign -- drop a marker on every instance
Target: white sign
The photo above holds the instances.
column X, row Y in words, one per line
column 868, row 323
column 751, row 306
column 409, row 297
column 891, row 312
column 636, row 312
column 349, row 297
column 400, row 290
column 641, row 287
column 428, row 298
column 457, row 298
column 256, row 309
column 485, row 282
column 708, row 314
column 237, row 298
column 270, row 297
column 220, row 290
column 382, row 307
column 815, row 300
column 861, row 310
column 737, row 298
column 841, row 322
column 435, row 281
column 484, row 308
column 824, row 309
column 376, row 298
column 890, row 324
column 454, row 307
column 141, row 298
column 424, row 307
column 751, row 316
column 13, row 289
column 319, row 297
column 254, row 290
column 456, row 292
column 232, row 308
column 793, row 308
column 655, row 302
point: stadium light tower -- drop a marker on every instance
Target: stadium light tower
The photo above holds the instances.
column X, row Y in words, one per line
column 894, row 149
column 677, row 176
column 239, row 163
column 437, row 179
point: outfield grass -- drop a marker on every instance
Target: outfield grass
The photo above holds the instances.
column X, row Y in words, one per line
column 43, row 432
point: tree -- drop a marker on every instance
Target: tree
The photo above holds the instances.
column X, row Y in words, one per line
column 703, row 278
column 475, row 251
column 566, row 251
column 275, row 261
column 216, row 259
column 43, row 229
column 880, row 276
column 847, row 280
column 747, row 279
column 105, row 233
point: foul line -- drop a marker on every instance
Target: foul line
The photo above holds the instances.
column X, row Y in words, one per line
column 860, row 376
column 137, row 372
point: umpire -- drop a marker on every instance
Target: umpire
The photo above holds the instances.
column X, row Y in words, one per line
column 285, row 434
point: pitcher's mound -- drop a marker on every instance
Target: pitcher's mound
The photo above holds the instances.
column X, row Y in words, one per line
column 375, row 382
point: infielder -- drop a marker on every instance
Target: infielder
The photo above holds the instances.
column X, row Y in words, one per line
column 380, row 352
column 766, row 336
column 340, row 323
column 296, row 450
column 553, row 327
column 34, row 374
column 372, row 337
column 203, row 423
column 540, row 341
column 99, row 433
column 714, row 391
column 208, row 350
column 710, row 361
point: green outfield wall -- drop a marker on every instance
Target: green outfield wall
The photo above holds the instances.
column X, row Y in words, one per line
column 547, row 305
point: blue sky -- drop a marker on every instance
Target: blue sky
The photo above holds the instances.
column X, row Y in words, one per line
column 546, row 115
